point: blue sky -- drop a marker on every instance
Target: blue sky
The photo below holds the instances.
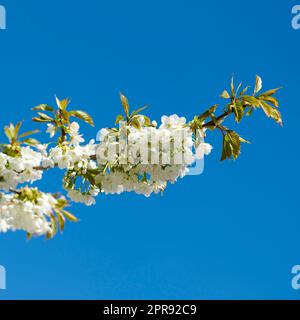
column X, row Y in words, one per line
column 231, row 233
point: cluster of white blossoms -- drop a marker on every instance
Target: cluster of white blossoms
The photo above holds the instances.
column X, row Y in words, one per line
column 139, row 158
column 75, row 158
column 30, row 215
column 72, row 155
column 143, row 159
column 20, row 168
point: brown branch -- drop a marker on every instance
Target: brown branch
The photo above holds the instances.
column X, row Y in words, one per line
column 219, row 118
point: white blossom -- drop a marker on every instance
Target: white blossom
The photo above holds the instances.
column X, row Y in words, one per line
column 203, row 149
column 30, row 216
column 51, row 130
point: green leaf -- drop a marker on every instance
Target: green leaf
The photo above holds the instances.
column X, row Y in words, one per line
column 244, row 141
column 49, row 235
column 10, row 131
column 147, row 121
column 53, row 225
column 238, row 113
column 258, row 85
column 44, row 116
column 135, row 112
column 244, row 91
column 207, row 113
column 119, row 118
column 271, row 112
column 28, row 236
column 235, row 143
column 271, row 100
column 232, row 88
column 231, row 145
column 36, row 119
column 249, row 112
column 135, row 119
column 69, row 216
column 62, row 104
column 269, row 92
column 43, row 107
column 125, row 104
column 29, row 133
column 135, row 122
column 251, row 100
column 17, row 129
column 225, row 95
column 84, row 116
column 61, row 220
column 238, row 88
column 226, row 149
column 30, row 141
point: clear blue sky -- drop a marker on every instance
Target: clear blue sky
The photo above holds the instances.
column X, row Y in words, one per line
column 230, row 233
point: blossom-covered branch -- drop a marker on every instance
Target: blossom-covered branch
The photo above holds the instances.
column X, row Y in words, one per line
column 135, row 155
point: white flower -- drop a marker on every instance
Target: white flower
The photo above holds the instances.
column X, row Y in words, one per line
column 16, row 164
column 25, row 215
column 77, row 196
column 47, row 163
column 172, row 121
column 102, row 134
column 74, row 128
column 76, row 139
column 203, row 149
column 42, row 148
column 3, row 225
column 51, row 130
column 64, row 162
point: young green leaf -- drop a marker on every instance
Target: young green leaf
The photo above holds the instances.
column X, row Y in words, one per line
column 45, row 117
column 69, row 216
column 271, row 112
column 232, row 88
column 135, row 112
column 244, row 91
column 238, row 112
column 36, row 119
column 29, row 133
column 235, row 143
column 226, row 149
column 207, row 113
column 53, row 225
column 10, row 131
column 30, row 141
column 269, row 92
column 271, row 100
column 17, row 129
column 225, row 95
column 119, row 118
column 82, row 115
column 258, row 85
column 125, row 104
column 250, row 100
column 62, row 104
column 61, row 220
column 43, row 107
